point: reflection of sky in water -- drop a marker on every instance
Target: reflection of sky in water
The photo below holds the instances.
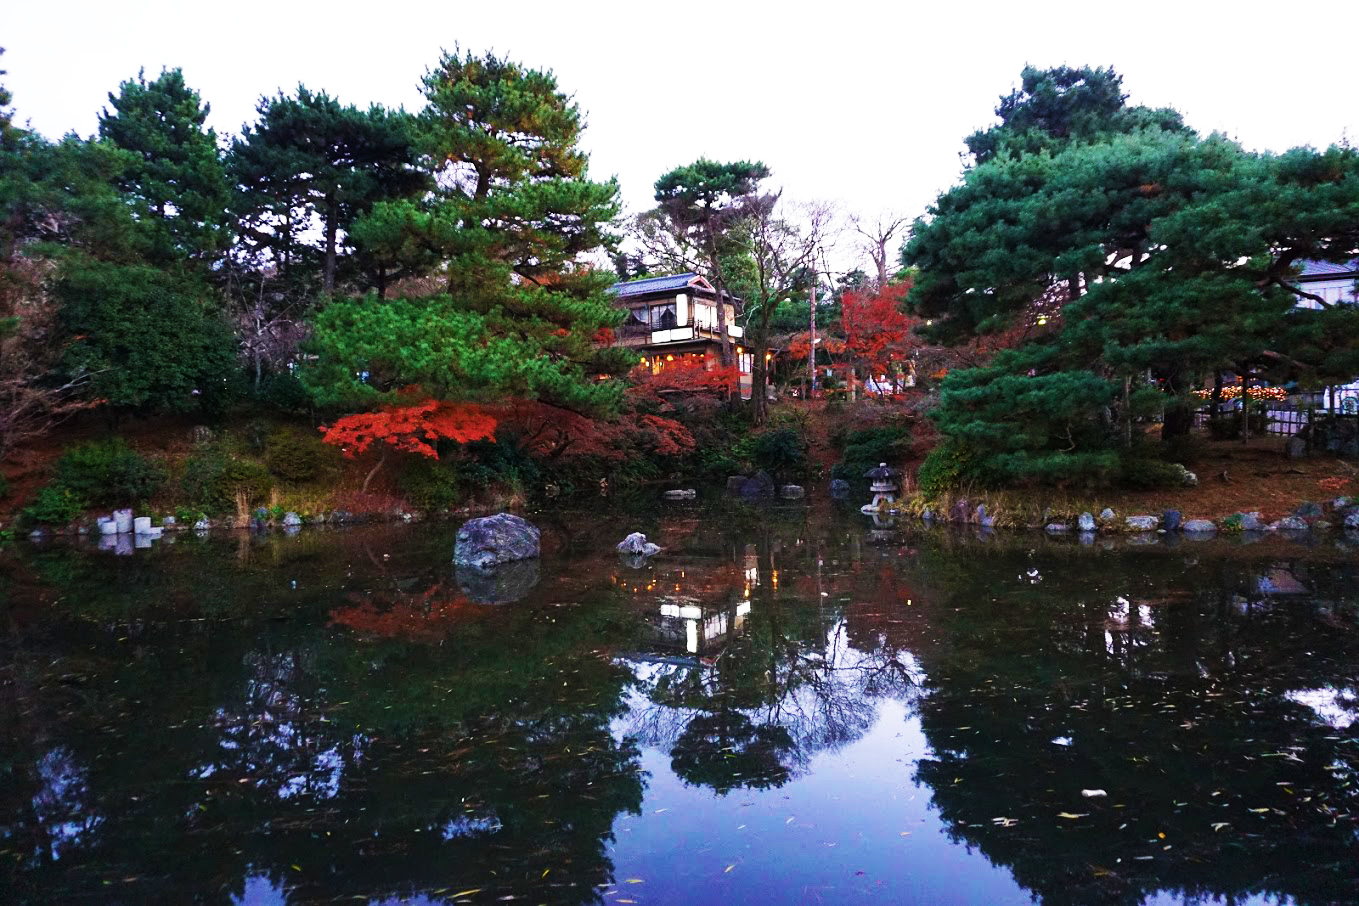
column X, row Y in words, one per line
column 1337, row 707
column 61, row 800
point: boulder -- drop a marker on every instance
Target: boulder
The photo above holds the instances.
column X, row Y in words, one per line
column 736, row 484
column 1295, row 447
column 491, row 540
column 1187, row 478
column 960, row 512
column 1086, row 522
column 1142, row 523
column 760, row 485
column 291, row 519
column 792, row 492
column 142, row 525
column 1340, row 503
column 839, row 488
column 1107, row 514
column 123, row 520
column 927, row 514
column 1309, row 511
column 636, row 543
column 687, row 494
column 1199, row 526
column 1058, row 527
column 1170, row 520
column 1292, row 524
column 1250, row 522
column 1352, row 519
column 202, row 525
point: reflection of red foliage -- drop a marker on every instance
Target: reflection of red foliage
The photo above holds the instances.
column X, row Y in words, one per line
column 413, row 429
column 425, row 617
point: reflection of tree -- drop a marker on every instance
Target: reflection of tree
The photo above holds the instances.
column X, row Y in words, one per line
column 1167, row 684
column 725, row 750
column 786, row 686
column 331, row 764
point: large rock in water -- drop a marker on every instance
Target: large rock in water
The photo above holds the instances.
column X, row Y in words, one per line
column 839, row 488
column 761, row 485
column 636, row 543
column 491, row 540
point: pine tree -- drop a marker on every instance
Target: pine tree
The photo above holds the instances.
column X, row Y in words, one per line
column 176, row 183
column 514, row 211
column 311, row 162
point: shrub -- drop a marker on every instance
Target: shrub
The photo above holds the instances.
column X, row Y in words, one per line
column 778, row 451
column 296, row 457
column 950, row 465
column 108, row 471
column 212, row 479
column 56, row 505
column 1144, row 474
column 429, row 485
column 867, row 447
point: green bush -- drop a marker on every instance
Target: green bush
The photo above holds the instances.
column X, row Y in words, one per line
column 950, row 465
column 1143, row 474
column 56, row 505
column 212, row 480
column 867, row 447
column 429, row 485
column 108, row 472
column 778, row 451
column 297, row 457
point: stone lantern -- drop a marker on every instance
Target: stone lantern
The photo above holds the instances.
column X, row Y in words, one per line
column 884, row 487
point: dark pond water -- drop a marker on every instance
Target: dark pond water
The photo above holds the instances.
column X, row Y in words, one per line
column 783, row 707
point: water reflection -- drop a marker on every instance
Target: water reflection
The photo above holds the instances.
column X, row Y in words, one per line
column 340, row 715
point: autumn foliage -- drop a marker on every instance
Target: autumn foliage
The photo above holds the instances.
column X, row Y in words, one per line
column 412, row 429
column 877, row 331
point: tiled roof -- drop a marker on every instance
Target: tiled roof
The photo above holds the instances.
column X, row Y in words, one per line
column 652, row 285
column 1327, row 269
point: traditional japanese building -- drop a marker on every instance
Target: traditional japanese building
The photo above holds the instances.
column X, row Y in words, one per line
column 670, row 318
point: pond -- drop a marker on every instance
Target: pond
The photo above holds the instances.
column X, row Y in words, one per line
column 788, row 705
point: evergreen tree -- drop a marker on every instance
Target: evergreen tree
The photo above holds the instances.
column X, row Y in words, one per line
column 1126, row 254
column 513, row 212
column 176, row 183
column 700, row 205
column 312, row 165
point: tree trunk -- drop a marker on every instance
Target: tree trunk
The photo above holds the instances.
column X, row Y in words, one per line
column 369, row 477
column 332, row 216
column 1215, row 409
column 1179, row 416
column 1245, row 405
column 759, row 403
column 1127, row 410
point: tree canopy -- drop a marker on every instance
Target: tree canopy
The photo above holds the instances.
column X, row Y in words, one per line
column 513, row 211
column 1137, row 252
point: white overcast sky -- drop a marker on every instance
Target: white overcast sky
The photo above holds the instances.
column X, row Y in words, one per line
column 865, row 104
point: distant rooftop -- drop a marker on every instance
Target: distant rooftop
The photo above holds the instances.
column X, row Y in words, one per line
column 659, row 285
column 1327, row 269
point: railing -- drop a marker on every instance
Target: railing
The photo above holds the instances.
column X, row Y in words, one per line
column 1289, row 418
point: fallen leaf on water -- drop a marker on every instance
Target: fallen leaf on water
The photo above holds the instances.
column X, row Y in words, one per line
column 791, row 820
column 729, row 868
column 1070, row 815
column 1220, row 825
column 634, row 881
column 466, row 893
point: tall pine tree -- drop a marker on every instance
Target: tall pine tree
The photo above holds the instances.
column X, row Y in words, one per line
column 514, row 211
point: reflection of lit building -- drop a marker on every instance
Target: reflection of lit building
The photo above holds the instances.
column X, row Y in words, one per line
column 696, row 606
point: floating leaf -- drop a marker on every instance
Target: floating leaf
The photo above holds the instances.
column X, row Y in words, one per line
column 1070, row 815
column 729, row 868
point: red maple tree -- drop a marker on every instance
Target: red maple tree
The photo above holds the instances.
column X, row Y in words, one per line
column 410, row 429
column 877, row 332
